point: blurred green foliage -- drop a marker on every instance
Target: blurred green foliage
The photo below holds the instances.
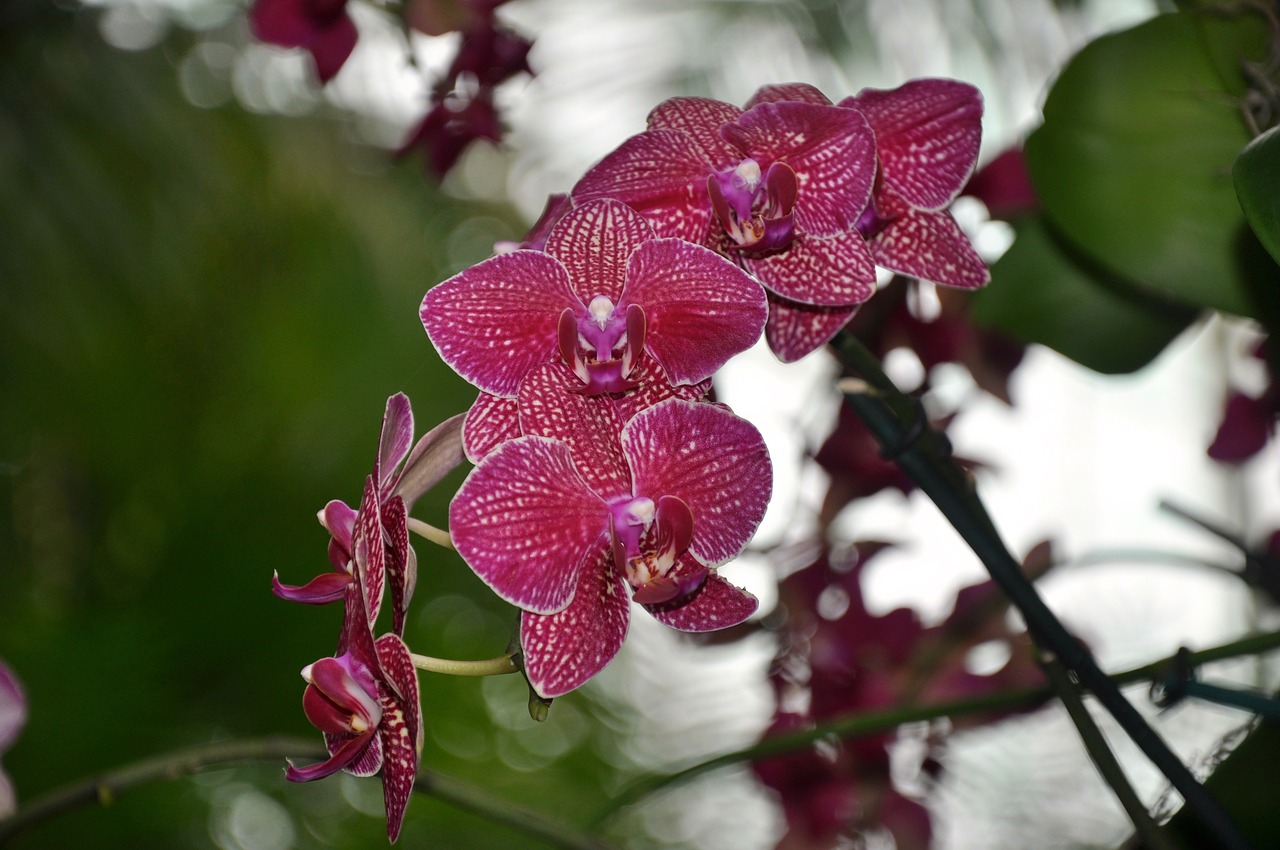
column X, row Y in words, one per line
column 202, row 313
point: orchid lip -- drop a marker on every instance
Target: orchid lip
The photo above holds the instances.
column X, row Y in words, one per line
column 603, row 346
column 755, row 210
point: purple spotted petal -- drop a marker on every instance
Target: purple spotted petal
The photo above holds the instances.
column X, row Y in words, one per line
column 353, row 753
column 795, row 330
column 831, row 150
column 525, row 521
column 368, row 552
column 927, row 135
column 700, row 119
column 400, row 730
column 589, row 425
column 714, row 461
column 661, row 174
column 826, row 271
column 930, row 246
column 491, row 421
column 401, row 562
column 701, row 309
column 497, row 320
column 801, row 92
column 437, row 453
column 321, row 590
column 593, row 241
column 562, row 651
column 716, row 605
column 653, row 388
column 394, row 442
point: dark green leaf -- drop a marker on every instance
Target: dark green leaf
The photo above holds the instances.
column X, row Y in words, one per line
column 1132, row 161
column 1257, row 179
column 1043, row 291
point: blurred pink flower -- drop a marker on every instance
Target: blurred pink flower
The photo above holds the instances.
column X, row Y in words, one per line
column 13, row 716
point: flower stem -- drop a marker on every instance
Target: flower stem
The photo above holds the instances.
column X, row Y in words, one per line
column 438, row 536
column 487, row 667
column 924, row 454
column 874, row 722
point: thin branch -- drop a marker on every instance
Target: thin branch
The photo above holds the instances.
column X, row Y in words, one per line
column 438, row 536
column 488, row 667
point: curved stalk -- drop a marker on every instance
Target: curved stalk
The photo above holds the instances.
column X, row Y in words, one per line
column 488, row 667
column 438, row 536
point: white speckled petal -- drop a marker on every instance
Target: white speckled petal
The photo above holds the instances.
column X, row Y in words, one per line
column 525, row 521
column 716, row 605
column 497, row 320
column 794, row 329
column 661, row 174
column 930, row 246
column 802, row 92
column 700, row 119
column 831, row 150
column 654, row 387
column 701, row 309
column 562, row 651
column 714, row 461
column 823, row 270
column 395, row 440
column 593, row 241
column 927, row 134
column 400, row 729
column 490, row 422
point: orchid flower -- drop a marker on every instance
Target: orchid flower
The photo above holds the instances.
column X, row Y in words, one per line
column 562, row 525
column 322, row 27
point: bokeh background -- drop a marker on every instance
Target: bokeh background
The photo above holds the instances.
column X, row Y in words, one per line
column 209, row 279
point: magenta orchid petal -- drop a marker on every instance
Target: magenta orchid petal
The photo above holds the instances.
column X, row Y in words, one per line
column 401, row 562
column 717, row 604
column 324, row 28
column 709, row 458
column 653, row 387
column 927, row 134
column 13, row 707
column 826, row 271
column 593, row 241
column 661, row 174
column 795, row 330
column 368, row 551
column 801, row 92
column 352, row 753
column 321, row 590
column 394, row 441
column 1246, row 428
column 831, row 150
column 400, row 731
column 563, row 650
column 589, row 426
column 698, row 118
column 930, row 246
column 491, row 421
column 497, row 320
column 701, row 309
column 437, row 453
column 525, row 522
column 339, row 520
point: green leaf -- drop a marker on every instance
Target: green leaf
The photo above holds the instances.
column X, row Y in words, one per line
column 1044, row 291
column 1132, row 161
column 1256, row 175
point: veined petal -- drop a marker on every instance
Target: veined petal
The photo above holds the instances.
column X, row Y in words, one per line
column 589, row 425
column 700, row 119
column 716, row 605
column 714, row 461
column 827, row 271
column 354, row 749
column 491, row 421
column 832, row 153
column 930, row 246
column 653, row 388
column 562, row 651
column 525, row 521
column 368, row 552
column 400, row 730
column 701, row 309
column 401, row 562
column 593, row 241
column 802, row 92
column 927, row 135
column 497, row 320
column 661, row 174
column 794, row 330
column 394, row 442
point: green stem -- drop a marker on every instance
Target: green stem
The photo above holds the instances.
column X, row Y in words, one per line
column 1103, row 759
column 488, row 667
column 497, row 810
column 875, row 722
column 925, row 455
column 438, row 536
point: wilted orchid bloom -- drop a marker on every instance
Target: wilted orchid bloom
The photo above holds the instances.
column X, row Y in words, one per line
column 322, row 27
column 365, row 698
column 560, row 527
column 778, row 187
column 606, row 293
column 400, row 477
column 13, row 716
